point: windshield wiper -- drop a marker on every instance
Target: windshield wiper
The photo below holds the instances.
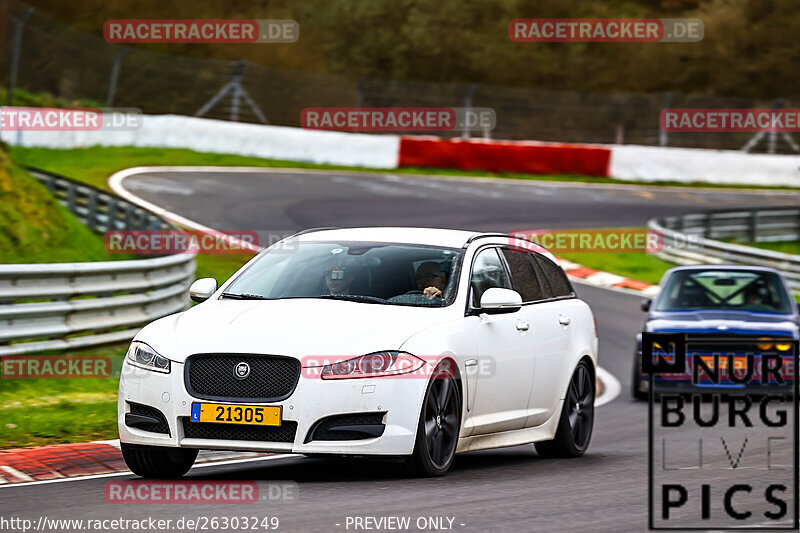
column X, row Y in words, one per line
column 245, row 296
column 355, row 298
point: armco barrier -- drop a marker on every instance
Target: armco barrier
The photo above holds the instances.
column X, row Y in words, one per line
column 73, row 305
column 690, row 239
column 98, row 209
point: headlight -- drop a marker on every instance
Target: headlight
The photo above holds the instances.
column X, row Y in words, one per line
column 141, row 355
column 374, row 365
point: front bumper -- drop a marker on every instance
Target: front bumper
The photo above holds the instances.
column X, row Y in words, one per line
column 312, row 400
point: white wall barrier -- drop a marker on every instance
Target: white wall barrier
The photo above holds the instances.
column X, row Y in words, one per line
column 655, row 163
column 628, row 162
column 220, row 136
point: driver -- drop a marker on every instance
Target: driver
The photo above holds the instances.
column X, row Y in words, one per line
column 431, row 280
column 755, row 301
column 430, row 286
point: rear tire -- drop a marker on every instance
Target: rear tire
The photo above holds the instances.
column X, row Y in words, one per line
column 438, row 428
column 157, row 462
column 577, row 418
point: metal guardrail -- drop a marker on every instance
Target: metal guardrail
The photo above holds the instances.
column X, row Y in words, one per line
column 72, row 305
column 693, row 238
column 99, row 210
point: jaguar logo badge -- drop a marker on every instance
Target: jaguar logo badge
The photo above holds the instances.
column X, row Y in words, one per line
column 241, row 370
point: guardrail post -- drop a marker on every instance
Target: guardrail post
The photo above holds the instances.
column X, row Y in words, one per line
column 128, row 217
column 752, row 228
column 71, row 197
column 797, row 227
column 111, row 213
column 708, row 226
column 91, row 212
column 49, row 182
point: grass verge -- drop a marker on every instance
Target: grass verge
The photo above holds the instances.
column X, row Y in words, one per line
column 35, row 228
column 34, row 412
column 637, row 266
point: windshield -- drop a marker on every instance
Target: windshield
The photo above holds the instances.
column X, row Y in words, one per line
column 368, row 272
column 724, row 289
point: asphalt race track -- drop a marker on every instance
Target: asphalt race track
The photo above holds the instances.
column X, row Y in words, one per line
column 503, row 490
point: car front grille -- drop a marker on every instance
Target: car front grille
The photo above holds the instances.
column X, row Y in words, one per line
column 271, row 378
column 205, row 430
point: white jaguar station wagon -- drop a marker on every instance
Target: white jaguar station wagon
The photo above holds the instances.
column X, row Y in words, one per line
column 407, row 343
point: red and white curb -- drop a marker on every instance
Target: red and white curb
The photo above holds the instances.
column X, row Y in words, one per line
column 607, row 280
column 61, row 462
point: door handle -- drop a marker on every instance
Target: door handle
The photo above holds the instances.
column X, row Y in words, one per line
column 564, row 320
column 523, row 326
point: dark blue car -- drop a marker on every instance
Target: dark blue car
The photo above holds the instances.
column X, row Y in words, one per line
column 723, row 302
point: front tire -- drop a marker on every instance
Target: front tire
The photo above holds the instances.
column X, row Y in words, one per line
column 438, row 428
column 156, row 462
column 636, row 379
column 577, row 418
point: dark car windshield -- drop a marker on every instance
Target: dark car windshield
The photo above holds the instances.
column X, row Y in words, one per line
column 368, row 272
column 744, row 290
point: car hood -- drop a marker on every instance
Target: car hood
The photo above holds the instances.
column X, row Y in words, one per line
column 293, row 327
column 723, row 321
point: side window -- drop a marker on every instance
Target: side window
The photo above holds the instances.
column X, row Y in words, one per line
column 559, row 284
column 523, row 274
column 487, row 272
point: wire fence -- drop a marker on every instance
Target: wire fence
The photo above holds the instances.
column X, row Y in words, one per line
column 55, row 59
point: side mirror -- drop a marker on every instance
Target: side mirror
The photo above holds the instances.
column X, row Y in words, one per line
column 202, row 289
column 646, row 304
column 497, row 300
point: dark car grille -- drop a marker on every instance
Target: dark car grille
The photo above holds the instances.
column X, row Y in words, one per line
column 211, row 377
column 146, row 410
column 331, row 428
column 204, row 430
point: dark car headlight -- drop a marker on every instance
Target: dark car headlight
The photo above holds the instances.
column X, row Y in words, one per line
column 141, row 355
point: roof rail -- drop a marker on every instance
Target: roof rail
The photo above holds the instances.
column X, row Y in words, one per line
column 488, row 235
column 310, row 230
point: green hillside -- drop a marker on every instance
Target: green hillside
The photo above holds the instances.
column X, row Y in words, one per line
column 35, row 228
